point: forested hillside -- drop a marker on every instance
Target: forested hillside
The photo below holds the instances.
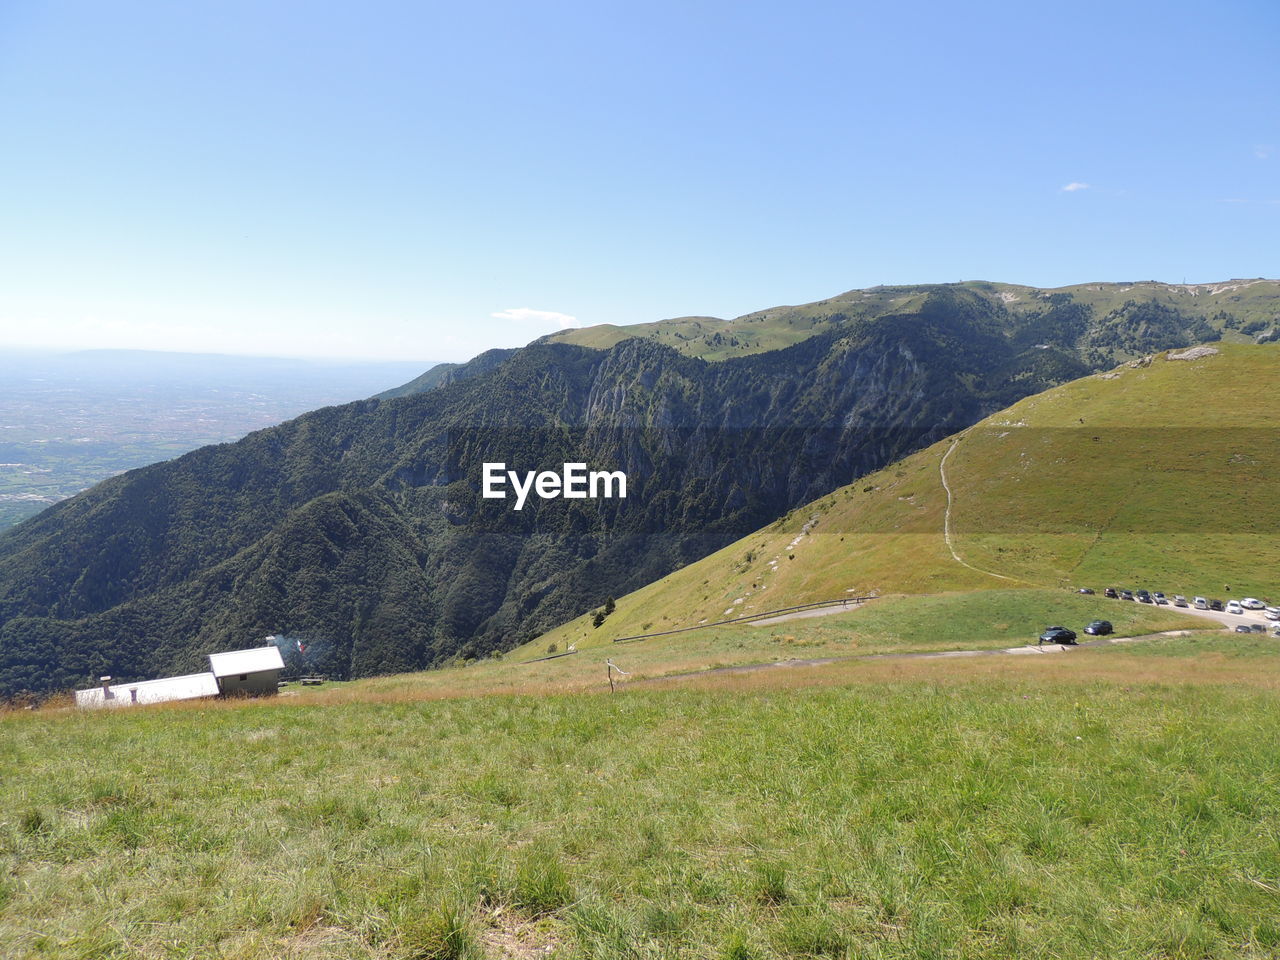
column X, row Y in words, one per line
column 361, row 527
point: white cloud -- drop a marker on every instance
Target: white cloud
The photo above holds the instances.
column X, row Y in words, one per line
column 1263, row 151
column 529, row 315
column 1075, row 185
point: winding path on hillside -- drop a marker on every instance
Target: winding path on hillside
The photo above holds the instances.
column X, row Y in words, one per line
column 946, row 521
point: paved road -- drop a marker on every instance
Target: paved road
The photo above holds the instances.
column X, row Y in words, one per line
column 803, row 614
column 1226, row 619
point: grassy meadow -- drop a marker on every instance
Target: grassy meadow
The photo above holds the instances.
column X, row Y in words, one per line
column 1101, row 803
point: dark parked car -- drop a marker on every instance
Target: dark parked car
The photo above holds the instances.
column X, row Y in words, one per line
column 1215, row 605
column 1088, row 590
column 1243, row 628
column 1143, row 596
column 1099, row 628
column 1126, row 594
column 1258, row 627
column 1058, row 635
column 1110, row 592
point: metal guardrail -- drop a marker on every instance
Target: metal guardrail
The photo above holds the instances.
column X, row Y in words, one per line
column 553, row 656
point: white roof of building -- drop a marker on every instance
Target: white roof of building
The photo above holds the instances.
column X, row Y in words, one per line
column 150, row 691
column 246, row 661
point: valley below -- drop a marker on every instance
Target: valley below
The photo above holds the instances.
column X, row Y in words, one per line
column 71, row 420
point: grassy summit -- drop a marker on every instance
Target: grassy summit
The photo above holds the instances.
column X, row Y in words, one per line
column 1238, row 310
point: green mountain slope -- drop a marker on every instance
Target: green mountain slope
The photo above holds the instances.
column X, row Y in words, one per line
column 1159, row 475
column 445, row 373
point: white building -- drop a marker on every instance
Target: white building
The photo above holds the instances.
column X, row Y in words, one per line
column 148, row 691
column 255, row 671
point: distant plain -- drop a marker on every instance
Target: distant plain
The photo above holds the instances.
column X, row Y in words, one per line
column 70, row 420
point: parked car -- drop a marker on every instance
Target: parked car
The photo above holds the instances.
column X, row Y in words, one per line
column 1272, row 613
column 1058, row 635
column 1215, row 605
column 1200, row 603
column 1143, row 596
column 1252, row 603
column 1111, row 592
column 1179, row 600
column 1233, row 606
column 1126, row 594
column 1099, row 628
column 1258, row 627
column 1088, row 590
column 1243, row 628
column 1159, row 597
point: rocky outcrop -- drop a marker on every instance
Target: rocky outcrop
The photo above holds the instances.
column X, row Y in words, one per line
column 1195, row 353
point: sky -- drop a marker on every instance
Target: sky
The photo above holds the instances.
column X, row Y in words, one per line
column 424, row 181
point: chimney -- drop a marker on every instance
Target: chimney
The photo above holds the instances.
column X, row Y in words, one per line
column 106, row 686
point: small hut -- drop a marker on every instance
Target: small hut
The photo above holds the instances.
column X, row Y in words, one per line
column 255, row 671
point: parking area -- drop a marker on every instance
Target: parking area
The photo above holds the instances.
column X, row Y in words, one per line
column 1230, row 615
column 1257, row 619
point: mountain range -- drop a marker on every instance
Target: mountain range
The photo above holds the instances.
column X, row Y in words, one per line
column 361, row 527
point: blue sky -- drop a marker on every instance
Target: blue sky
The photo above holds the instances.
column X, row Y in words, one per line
column 425, row 181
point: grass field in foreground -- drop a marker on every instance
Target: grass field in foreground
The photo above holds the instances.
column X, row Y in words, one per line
column 1102, row 803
